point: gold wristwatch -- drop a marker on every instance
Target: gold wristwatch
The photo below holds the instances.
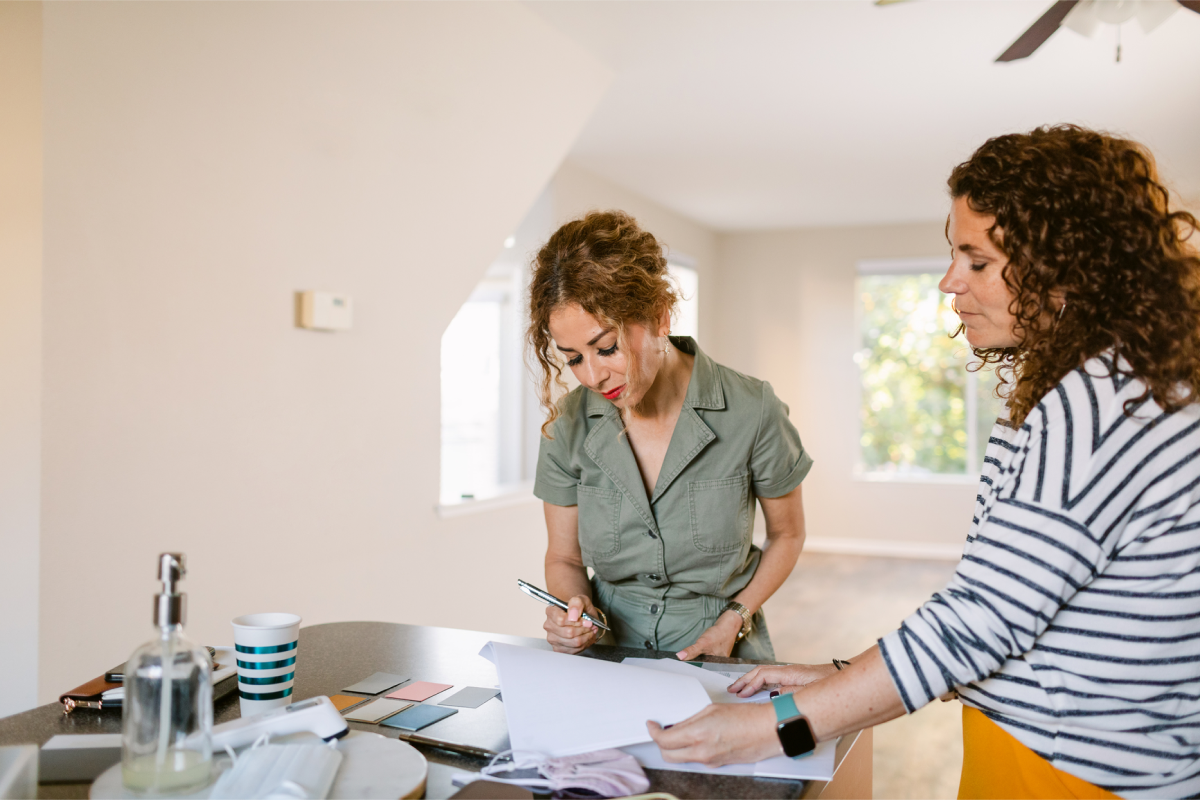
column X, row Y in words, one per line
column 744, row 613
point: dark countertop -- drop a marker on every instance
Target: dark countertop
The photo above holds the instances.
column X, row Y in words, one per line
column 337, row 654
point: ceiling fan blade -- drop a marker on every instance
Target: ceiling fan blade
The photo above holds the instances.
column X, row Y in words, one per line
column 1039, row 32
column 1190, row 5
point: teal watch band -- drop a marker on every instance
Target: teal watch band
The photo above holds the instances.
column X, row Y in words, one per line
column 785, row 707
column 795, row 734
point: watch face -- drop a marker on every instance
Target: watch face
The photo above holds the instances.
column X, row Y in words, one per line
column 796, row 737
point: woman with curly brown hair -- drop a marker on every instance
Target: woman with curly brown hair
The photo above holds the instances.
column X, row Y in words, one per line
column 650, row 469
column 1071, row 630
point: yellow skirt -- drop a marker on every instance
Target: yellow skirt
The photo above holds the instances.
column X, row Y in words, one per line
column 996, row 765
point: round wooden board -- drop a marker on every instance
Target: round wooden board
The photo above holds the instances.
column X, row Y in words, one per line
column 374, row 767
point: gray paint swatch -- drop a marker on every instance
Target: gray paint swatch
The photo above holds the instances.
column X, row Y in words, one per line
column 470, row 697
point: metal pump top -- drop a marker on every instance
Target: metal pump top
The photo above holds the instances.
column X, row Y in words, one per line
column 170, row 604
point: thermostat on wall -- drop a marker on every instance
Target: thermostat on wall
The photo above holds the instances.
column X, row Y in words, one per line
column 325, row 311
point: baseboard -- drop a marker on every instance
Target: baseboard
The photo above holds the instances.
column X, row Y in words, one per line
column 884, row 548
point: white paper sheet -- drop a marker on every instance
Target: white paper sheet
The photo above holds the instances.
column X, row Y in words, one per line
column 562, row 705
column 817, row 765
column 715, row 683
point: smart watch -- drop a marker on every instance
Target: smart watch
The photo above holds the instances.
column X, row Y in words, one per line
column 792, row 727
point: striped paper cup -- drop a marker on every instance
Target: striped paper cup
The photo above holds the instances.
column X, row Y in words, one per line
column 266, row 647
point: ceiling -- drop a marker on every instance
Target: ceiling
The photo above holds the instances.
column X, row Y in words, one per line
column 749, row 115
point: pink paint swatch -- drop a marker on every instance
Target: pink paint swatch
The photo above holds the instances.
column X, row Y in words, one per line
column 419, row 690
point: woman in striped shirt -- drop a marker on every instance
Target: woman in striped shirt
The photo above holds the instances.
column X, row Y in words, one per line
column 1071, row 629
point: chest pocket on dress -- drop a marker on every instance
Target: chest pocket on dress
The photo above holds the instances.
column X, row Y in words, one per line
column 720, row 512
column 599, row 521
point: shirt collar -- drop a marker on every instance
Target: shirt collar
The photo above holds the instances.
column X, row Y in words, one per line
column 704, row 389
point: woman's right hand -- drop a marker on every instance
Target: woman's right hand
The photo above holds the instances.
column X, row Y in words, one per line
column 566, row 631
column 785, row 678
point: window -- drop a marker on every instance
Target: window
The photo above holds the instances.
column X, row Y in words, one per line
column 490, row 415
column 687, row 321
column 471, row 401
column 923, row 414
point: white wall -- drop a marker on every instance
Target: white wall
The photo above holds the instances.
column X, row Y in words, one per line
column 203, row 161
column 787, row 315
column 20, row 348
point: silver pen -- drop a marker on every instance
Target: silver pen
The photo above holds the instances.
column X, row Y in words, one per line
column 549, row 599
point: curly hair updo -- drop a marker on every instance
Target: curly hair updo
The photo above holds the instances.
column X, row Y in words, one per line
column 1083, row 214
column 612, row 269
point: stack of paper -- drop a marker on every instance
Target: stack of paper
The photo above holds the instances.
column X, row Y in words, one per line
column 715, row 683
column 561, row 705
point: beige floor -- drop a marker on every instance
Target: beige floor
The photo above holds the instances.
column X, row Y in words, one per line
column 840, row 605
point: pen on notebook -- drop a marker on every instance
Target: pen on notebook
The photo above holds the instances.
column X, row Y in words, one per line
column 549, row 599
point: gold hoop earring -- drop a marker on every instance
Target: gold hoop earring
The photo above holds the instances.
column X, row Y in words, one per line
column 953, row 307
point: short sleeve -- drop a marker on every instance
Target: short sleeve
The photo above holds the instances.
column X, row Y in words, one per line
column 779, row 462
column 557, row 475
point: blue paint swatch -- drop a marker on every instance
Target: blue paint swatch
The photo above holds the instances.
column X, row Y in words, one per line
column 417, row 717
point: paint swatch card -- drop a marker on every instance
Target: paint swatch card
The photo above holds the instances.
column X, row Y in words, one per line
column 344, row 701
column 419, row 690
column 376, row 710
column 470, row 697
column 379, row 682
column 418, row 717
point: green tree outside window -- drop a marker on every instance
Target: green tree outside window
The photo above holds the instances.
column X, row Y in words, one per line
column 922, row 412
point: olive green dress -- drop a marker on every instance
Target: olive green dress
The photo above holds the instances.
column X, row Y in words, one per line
column 665, row 565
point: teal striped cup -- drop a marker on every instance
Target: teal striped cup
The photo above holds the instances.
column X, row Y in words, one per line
column 266, row 646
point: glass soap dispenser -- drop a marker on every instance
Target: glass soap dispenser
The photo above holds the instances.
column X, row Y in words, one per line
column 166, row 736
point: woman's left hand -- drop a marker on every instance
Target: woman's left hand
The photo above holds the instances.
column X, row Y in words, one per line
column 780, row 676
column 733, row 733
column 717, row 640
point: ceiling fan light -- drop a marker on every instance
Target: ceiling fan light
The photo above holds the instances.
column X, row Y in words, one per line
column 1116, row 12
column 1082, row 18
column 1152, row 13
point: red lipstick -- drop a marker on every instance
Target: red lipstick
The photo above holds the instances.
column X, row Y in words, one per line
column 615, row 393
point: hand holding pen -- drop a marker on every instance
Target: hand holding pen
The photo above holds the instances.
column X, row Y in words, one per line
column 572, row 626
column 568, row 631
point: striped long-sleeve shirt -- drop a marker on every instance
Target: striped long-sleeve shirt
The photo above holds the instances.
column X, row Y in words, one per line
column 1073, row 619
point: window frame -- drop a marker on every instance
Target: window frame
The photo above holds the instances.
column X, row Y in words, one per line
column 927, row 265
